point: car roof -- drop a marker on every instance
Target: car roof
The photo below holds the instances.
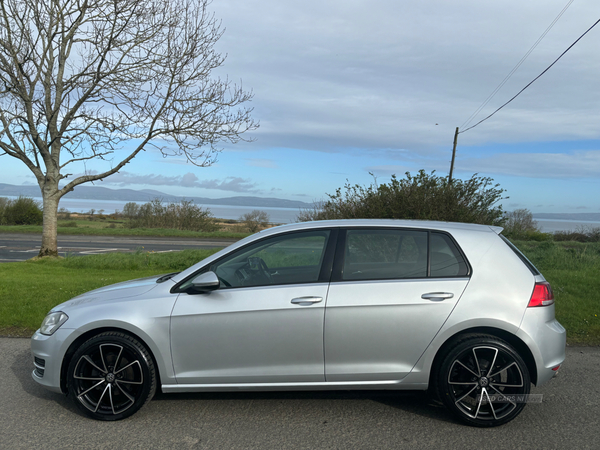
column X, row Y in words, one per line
column 383, row 223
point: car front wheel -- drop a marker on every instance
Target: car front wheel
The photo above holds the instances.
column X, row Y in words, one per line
column 483, row 381
column 111, row 376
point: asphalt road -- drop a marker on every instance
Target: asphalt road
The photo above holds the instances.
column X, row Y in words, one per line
column 31, row 417
column 19, row 247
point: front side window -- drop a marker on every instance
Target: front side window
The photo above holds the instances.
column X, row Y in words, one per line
column 287, row 259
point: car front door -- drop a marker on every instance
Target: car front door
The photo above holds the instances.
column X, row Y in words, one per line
column 392, row 291
column 264, row 324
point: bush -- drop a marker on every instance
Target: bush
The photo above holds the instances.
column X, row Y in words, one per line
column 180, row 216
column 130, row 210
column 519, row 224
column 64, row 214
column 22, row 211
column 582, row 234
column 255, row 220
column 422, row 197
column 3, row 203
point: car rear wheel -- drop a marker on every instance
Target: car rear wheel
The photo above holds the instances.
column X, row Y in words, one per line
column 483, row 381
column 111, row 376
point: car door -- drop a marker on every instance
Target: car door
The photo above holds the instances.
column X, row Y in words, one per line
column 264, row 324
column 392, row 290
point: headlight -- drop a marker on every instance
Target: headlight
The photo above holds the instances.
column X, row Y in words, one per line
column 52, row 322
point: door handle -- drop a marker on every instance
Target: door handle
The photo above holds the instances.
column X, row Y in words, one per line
column 437, row 296
column 306, row 300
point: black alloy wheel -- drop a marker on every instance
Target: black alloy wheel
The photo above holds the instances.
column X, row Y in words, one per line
column 111, row 376
column 483, row 381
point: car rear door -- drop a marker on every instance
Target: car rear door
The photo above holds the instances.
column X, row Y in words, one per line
column 391, row 292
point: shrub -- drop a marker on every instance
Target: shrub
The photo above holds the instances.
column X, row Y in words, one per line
column 130, row 210
column 519, row 223
column 180, row 216
column 582, row 234
column 255, row 220
column 64, row 214
column 423, row 197
column 23, row 211
column 3, row 203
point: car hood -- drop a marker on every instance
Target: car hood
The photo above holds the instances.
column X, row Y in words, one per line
column 113, row 292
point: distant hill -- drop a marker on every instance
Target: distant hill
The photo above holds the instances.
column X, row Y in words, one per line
column 590, row 217
column 131, row 195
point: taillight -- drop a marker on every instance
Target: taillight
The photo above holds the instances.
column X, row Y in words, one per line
column 542, row 295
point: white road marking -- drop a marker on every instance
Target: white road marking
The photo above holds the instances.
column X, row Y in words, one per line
column 99, row 250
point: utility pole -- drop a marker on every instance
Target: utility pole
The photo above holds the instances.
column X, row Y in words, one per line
column 453, row 155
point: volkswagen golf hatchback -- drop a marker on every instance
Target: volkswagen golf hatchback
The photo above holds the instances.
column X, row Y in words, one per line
column 451, row 308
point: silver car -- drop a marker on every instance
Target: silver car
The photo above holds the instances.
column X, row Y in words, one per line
column 358, row 304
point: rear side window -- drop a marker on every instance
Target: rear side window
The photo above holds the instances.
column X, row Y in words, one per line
column 521, row 256
column 376, row 254
column 382, row 254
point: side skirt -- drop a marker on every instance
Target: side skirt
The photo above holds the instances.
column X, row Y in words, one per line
column 320, row 386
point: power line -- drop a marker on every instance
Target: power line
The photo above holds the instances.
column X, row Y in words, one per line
column 510, row 74
column 536, row 78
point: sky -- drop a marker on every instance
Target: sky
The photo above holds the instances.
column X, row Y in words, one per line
column 346, row 89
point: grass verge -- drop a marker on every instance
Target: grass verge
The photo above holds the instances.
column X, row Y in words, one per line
column 573, row 270
column 102, row 229
column 30, row 289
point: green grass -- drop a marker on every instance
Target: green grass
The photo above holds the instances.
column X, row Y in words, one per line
column 29, row 289
column 101, row 228
column 573, row 270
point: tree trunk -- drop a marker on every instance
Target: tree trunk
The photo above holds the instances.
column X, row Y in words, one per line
column 49, row 231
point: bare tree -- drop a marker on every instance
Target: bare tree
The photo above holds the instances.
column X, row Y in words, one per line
column 84, row 80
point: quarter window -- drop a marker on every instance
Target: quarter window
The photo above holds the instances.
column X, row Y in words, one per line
column 445, row 259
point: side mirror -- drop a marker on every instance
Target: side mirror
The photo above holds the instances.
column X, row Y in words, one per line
column 205, row 282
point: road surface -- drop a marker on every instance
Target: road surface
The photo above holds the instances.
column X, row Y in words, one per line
column 31, row 417
column 20, row 247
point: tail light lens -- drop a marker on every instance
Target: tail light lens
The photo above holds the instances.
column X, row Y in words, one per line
column 542, row 295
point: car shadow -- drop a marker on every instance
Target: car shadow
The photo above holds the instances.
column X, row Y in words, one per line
column 22, row 368
column 413, row 402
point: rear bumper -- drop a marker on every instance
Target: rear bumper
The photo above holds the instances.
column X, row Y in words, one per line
column 546, row 338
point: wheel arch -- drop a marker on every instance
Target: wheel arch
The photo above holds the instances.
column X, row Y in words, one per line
column 510, row 338
column 94, row 332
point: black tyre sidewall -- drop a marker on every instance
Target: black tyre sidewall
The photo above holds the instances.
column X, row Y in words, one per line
column 148, row 371
column 443, row 388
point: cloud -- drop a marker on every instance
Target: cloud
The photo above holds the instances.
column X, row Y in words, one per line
column 578, row 164
column 379, row 75
column 261, row 162
column 188, row 180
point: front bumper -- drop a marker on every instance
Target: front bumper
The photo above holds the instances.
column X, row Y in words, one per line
column 48, row 353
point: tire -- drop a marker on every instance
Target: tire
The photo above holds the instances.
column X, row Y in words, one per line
column 111, row 376
column 483, row 381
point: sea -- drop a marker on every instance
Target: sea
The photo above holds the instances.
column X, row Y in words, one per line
column 277, row 215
